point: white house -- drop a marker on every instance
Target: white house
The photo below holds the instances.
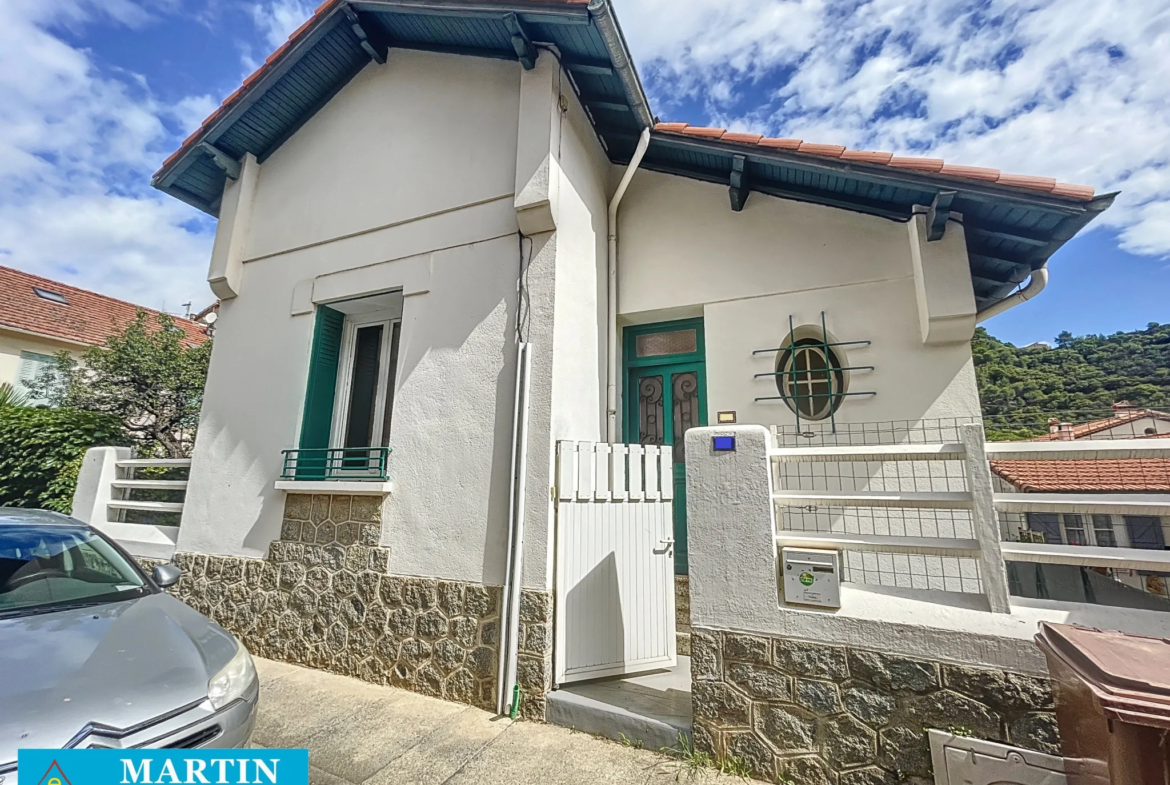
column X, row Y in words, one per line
column 453, row 235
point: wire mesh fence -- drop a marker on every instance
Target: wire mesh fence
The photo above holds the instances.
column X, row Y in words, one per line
column 1096, row 475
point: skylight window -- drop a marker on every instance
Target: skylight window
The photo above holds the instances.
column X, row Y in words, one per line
column 45, row 294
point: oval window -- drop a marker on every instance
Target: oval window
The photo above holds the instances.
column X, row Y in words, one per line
column 810, row 379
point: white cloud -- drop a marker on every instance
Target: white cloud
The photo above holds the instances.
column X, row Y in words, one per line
column 77, row 147
column 277, row 19
column 1074, row 89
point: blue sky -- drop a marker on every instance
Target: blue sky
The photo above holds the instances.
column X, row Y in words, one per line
column 96, row 93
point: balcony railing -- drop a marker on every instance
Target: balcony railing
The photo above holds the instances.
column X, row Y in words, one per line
column 342, row 463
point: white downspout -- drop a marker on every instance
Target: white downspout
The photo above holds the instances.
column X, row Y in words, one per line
column 513, row 577
column 1036, row 284
column 611, row 382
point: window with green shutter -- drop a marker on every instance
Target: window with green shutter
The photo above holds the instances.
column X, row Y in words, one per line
column 345, row 427
column 317, row 421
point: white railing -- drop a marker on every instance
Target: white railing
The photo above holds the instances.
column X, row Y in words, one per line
column 977, row 497
column 104, row 495
column 983, row 546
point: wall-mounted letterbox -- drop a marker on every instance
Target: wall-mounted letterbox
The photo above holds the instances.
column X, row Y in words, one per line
column 811, row 577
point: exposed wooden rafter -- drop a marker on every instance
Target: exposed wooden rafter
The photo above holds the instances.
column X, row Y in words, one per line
column 940, row 213
column 521, row 42
column 740, row 189
column 229, row 165
column 370, row 36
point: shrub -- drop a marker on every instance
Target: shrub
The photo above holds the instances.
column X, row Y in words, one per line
column 41, row 452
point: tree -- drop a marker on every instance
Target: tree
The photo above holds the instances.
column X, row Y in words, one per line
column 1078, row 380
column 145, row 376
column 12, row 397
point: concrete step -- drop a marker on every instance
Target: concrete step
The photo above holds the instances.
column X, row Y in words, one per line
column 648, row 711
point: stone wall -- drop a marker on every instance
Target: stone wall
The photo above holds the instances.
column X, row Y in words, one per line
column 323, row 599
column 682, row 614
column 813, row 713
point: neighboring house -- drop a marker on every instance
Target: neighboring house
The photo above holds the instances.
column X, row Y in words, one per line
column 421, row 249
column 40, row 317
column 1096, row 476
column 1128, row 422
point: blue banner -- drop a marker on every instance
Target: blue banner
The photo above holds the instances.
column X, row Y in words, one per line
column 163, row 767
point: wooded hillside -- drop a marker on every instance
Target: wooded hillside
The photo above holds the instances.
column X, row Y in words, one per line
column 1078, row 379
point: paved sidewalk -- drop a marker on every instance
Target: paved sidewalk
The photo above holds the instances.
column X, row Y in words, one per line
column 362, row 733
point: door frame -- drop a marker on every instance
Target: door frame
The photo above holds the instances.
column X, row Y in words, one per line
column 632, row 363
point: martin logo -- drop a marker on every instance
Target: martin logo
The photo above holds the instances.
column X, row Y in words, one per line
column 54, row 775
column 167, row 767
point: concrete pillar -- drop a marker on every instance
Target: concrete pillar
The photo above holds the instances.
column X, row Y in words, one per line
column 731, row 528
column 99, row 468
column 226, row 270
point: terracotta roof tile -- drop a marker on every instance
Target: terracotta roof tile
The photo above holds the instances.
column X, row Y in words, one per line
column 783, row 144
column 1073, row 191
column 919, row 164
column 1079, row 192
column 868, row 156
column 86, row 317
column 828, row 150
column 743, row 138
column 708, row 133
column 1106, row 475
column 929, row 165
column 1024, row 181
column 972, row 172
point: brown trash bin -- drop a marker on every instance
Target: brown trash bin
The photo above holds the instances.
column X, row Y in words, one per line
column 1112, row 704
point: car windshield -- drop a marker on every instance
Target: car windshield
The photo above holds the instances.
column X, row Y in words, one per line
column 44, row 567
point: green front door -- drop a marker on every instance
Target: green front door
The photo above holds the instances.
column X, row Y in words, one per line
column 665, row 395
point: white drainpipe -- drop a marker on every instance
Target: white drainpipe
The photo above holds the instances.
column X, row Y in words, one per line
column 513, row 577
column 1036, row 284
column 611, row 385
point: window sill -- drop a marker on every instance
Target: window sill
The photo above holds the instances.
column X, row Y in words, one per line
column 352, row 487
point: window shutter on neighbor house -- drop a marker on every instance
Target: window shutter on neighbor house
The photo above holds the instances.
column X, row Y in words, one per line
column 318, row 418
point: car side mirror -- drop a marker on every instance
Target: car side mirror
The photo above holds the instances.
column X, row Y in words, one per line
column 166, row 575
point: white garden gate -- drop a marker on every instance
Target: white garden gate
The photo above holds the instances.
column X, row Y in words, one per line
column 615, row 560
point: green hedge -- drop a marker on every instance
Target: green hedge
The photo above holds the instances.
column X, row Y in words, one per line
column 41, row 452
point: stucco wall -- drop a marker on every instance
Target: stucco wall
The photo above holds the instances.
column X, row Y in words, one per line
column 683, row 252
column 416, row 136
column 580, row 317
column 405, row 178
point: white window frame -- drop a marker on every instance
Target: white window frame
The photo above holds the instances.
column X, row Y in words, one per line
column 387, row 318
column 32, row 365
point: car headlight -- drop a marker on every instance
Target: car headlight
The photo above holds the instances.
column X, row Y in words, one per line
column 233, row 681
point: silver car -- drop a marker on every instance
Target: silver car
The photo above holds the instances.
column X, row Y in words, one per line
column 93, row 652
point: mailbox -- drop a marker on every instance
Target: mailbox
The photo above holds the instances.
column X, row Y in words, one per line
column 811, row 577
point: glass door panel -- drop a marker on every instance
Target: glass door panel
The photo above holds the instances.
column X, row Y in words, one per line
column 651, row 408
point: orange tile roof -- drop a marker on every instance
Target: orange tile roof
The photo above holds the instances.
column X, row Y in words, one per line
column 934, row 166
column 929, row 165
column 1103, row 475
column 86, row 317
column 1105, row 424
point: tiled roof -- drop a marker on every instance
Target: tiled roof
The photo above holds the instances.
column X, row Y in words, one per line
column 85, row 317
column 934, row 166
column 1097, row 426
column 1104, row 475
column 921, row 165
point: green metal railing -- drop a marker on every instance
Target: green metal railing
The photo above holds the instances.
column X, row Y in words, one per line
column 342, row 463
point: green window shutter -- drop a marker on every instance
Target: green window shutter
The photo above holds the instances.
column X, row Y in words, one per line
column 318, row 417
